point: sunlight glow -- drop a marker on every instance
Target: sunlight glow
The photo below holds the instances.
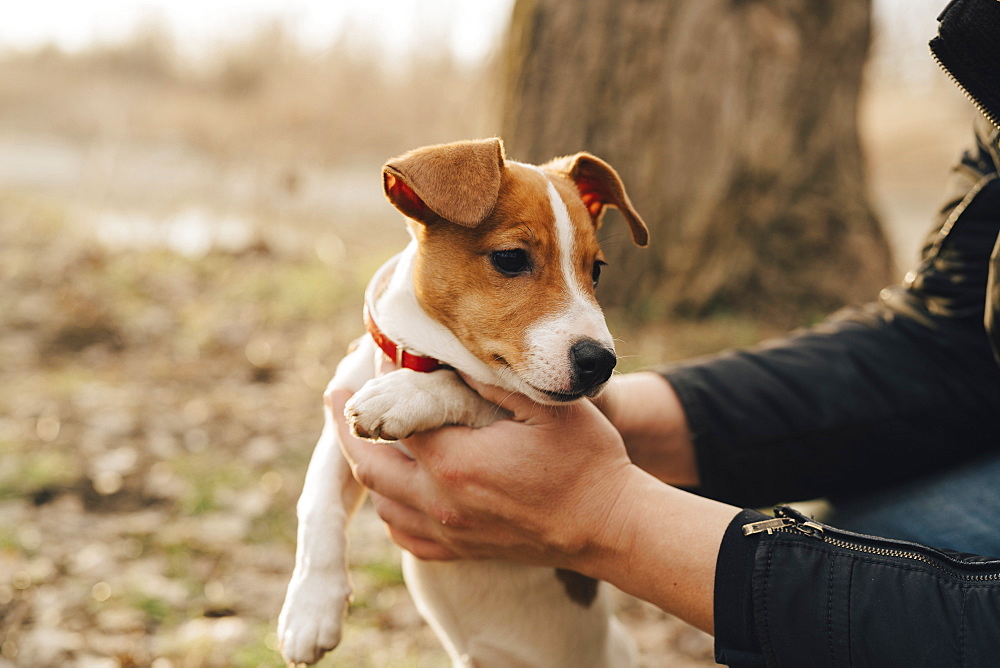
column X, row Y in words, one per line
column 392, row 27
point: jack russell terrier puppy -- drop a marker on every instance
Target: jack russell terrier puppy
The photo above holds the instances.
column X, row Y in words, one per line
column 498, row 281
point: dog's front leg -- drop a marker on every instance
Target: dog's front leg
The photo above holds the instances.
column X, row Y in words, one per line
column 313, row 613
column 404, row 402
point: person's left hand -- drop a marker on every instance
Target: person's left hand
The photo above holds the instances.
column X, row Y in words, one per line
column 542, row 487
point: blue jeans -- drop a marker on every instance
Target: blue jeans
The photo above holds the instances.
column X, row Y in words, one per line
column 958, row 509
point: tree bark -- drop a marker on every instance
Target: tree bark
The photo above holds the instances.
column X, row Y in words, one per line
column 733, row 126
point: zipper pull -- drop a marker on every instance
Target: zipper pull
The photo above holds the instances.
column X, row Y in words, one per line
column 782, row 523
column 769, row 526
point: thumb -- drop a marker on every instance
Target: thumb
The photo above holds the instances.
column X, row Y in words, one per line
column 516, row 403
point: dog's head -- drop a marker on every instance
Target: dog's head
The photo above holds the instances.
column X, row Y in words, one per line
column 509, row 259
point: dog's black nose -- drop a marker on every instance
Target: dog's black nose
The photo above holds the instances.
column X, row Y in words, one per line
column 592, row 364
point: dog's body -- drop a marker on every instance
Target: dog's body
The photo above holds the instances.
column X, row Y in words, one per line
column 498, row 283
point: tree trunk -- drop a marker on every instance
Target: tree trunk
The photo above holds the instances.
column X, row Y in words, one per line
column 733, row 126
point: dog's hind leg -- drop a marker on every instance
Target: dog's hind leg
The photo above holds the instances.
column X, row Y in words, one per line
column 313, row 613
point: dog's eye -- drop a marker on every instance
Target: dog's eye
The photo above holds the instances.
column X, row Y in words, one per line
column 511, row 262
column 597, row 271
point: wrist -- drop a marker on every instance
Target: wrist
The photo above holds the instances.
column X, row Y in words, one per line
column 610, row 547
column 660, row 544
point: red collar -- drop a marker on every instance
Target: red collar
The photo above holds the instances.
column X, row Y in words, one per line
column 403, row 358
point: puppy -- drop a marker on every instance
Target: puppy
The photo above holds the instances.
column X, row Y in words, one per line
column 498, row 281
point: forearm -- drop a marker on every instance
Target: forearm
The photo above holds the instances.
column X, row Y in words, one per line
column 661, row 545
column 647, row 413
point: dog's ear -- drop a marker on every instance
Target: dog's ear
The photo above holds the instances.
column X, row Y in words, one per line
column 458, row 182
column 600, row 187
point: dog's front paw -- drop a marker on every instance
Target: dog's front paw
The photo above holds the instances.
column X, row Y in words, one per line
column 387, row 409
column 311, row 619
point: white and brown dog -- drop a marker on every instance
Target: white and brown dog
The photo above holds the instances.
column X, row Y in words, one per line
column 498, row 282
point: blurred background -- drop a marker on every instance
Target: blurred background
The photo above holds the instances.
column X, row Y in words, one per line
column 190, row 207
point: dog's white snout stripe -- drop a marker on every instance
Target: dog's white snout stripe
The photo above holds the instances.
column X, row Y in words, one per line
column 578, row 317
column 582, row 317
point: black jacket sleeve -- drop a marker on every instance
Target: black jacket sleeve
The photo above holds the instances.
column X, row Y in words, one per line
column 872, row 396
column 793, row 592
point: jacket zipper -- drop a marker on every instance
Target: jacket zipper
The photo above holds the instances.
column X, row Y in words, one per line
column 990, row 116
column 787, row 521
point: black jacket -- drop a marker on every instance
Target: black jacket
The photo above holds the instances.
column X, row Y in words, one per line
column 872, row 396
column 811, row 596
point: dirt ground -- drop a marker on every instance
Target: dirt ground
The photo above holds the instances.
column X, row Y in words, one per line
column 181, row 264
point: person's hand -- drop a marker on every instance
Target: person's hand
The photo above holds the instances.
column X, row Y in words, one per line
column 542, row 487
column 551, row 486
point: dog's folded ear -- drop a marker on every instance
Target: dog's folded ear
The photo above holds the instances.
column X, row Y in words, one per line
column 600, row 187
column 457, row 182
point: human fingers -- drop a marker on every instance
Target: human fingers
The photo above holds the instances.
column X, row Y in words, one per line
column 411, row 529
column 403, row 518
column 420, row 548
column 378, row 466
